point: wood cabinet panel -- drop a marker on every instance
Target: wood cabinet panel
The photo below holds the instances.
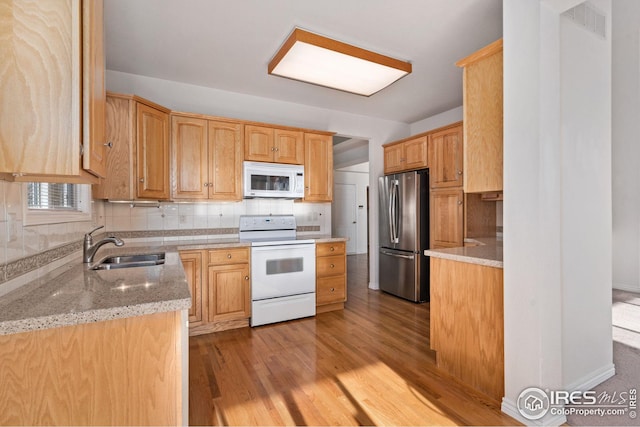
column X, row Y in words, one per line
column 118, row 372
column 189, row 142
column 318, row 168
column 258, row 143
column 229, row 292
column 228, row 256
column 331, row 289
column 332, row 248
column 467, row 323
column 483, row 119
column 446, row 150
column 446, row 218
column 331, row 276
column 406, row 155
column 40, row 47
column 289, row 147
column 94, row 93
column 225, row 161
column 192, row 263
column 152, row 152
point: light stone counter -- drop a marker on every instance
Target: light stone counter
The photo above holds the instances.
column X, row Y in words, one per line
column 74, row 294
column 487, row 252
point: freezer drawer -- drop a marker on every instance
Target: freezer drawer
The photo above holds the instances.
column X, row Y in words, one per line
column 401, row 274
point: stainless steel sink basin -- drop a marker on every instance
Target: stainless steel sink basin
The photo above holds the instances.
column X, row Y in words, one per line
column 130, row 261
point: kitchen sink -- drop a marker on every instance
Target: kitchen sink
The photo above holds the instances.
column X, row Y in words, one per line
column 130, row 261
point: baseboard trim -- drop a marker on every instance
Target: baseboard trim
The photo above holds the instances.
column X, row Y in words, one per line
column 598, row 376
column 509, row 407
column 628, row 288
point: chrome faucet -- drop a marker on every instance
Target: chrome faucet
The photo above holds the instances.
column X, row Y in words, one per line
column 89, row 249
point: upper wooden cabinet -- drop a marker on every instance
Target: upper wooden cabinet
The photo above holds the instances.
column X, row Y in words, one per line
column 405, row 155
column 318, row 168
column 445, row 153
column 207, row 159
column 138, row 161
column 52, row 77
column 483, row 108
column 152, row 145
column 267, row 144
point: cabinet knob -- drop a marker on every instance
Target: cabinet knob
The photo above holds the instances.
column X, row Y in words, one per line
column 273, row 148
column 109, row 144
column 332, row 249
column 332, row 266
column 333, row 289
column 210, row 184
column 141, row 179
column 206, row 184
column 229, row 256
column 459, row 172
column 276, row 149
column 246, row 277
column 459, row 202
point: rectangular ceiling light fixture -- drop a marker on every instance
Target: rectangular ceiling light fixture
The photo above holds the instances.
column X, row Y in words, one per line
column 315, row 59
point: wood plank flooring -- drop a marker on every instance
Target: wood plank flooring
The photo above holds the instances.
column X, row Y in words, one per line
column 367, row 365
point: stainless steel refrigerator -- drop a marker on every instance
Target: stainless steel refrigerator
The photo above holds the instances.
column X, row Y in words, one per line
column 404, row 235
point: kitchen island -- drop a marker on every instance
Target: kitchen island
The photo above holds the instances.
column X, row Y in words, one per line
column 96, row 347
column 467, row 314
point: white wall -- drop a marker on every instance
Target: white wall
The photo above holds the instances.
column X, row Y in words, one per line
column 361, row 182
column 185, row 97
column 557, row 207
column 439, row 120
column 626, row 150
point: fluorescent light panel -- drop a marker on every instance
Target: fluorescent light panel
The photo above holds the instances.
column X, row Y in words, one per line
column 319, row 60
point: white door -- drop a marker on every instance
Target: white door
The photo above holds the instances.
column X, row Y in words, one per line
column 345, row 214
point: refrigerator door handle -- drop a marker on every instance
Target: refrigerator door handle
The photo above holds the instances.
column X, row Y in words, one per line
column 394, row 209
column 390, row 209
column 396, row 255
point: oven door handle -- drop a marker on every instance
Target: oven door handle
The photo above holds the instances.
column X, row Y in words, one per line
column 281, row 247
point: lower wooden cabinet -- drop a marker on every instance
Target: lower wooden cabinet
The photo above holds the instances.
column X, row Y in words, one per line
column 220, row 284
column 331, row 276
column 447, row 218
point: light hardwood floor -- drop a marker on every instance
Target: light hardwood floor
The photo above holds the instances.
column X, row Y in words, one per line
column 367, row 365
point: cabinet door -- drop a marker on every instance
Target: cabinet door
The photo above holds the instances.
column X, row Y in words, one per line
column 446, row 218
column 153, row 152
column 289, row 147
column 190, row 179
column 94, row 96
column 258, row 143
column 229, row 292
column 446, row 158
column 192, row 263
column 40, row 75
column 318, row 168
column 415, row 154
column 225, row 161
column 483, row 128
column 392, row 158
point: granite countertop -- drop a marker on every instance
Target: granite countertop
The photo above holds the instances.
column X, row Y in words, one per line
column 485, row 251
column 74, row 294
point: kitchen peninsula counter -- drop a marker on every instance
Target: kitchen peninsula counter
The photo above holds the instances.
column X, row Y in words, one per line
column 485, row 251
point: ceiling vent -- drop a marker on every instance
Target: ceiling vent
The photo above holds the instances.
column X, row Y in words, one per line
column 588, row 17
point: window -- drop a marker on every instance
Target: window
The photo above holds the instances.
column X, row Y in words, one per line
column 49, row 203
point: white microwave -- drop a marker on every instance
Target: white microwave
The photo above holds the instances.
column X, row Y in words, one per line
column 273, row 180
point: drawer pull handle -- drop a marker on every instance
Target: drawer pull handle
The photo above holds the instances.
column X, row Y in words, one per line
column 333, row 289
column 332, row 249
column 246, row 277
column 229, row 256
column 332, row 266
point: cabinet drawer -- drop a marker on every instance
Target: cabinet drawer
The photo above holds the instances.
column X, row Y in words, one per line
column 228, row 256
column 333, row 248
column 330, row 290
column 330, row 266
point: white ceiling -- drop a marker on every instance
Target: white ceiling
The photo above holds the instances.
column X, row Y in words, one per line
column 227, row 44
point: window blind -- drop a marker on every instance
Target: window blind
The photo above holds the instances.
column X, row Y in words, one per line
column 52, row 196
